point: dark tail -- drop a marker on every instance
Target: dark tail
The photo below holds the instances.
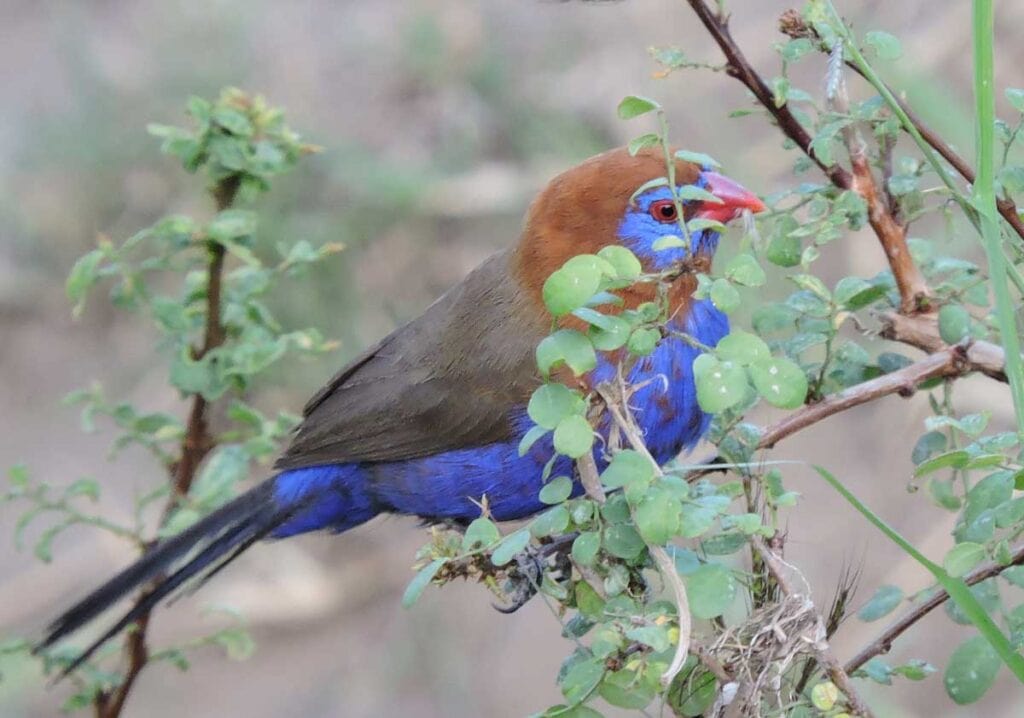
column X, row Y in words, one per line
column 200, row 551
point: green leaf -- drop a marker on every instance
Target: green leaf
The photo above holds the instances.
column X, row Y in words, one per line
column 956, row 459
column 642, row 142
column 220, row 474
column 550, row 523
column 658, row 517
column 569, row 288
column 556, row 491
column 573, row 436
column 928, row 445
column 886, row 599
column 668, row 241
column 626, row 265
column 581, row 680
column 698, row 158
column 954, row 323
column 1015, row 98
column 696, row 520
column 886, row 46
column 824, row 695
column 627, row 466
column 784, row 250
column 692, row 192
column 724, row 295
column 623, row 690
column 590, row 604
column 585, row 547
column 720, row 385
column 623, row 541
column 566, row 346
column 83, row 275
column 742, row 347
column 420, row 581
column 613, row 335
column 971, row 670
column 231, row 224
column 711, row 590
column 744, row 269
column 636, row 105
column 643, row 341
column 654, row 636
column 511, row 545
column 780, row 382
column 962, row 558
column 812, row 284
column 237, row 643
column 550, row 403
column 480, row 534
column 530, row 438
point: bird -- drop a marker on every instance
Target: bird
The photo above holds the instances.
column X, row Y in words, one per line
column 428, row 421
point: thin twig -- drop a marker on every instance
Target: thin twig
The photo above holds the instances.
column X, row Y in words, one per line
column 822, row 652
column 884, row 642
column 194, row 447
column 945, row 363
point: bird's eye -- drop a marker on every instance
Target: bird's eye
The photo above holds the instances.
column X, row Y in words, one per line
column 664, row 210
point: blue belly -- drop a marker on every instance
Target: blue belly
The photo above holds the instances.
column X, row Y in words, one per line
column 451, row 485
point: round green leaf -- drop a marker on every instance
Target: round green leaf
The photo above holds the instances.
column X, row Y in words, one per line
column 585, row 547
column 556, row 491
column 781, row 382
column 720, row 385
column 623, row 541
column 550, row 523
column 420, row 581
column 724, row 295
column 510, row 545
column 612, row 335
column 636, row 105
column 742, row 348
column 696, row 520
column 568, row 346
column 581, row 679
column 886, row 598
column 658, row 517
column 744, row 269
column 626, row 265
column 573, row 436
column 962, row 558
column 971, row 670
column 711, row 589
column 784, row 250
column 570, row 287
column 626, row 467
column 887, row 46
column 954, row 323
column 481, row 533
column 643, row 341
column 550, row 403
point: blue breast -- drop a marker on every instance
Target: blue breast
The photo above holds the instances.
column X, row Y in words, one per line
column 453, row 484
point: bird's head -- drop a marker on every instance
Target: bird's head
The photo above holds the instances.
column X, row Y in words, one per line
column 596, row 204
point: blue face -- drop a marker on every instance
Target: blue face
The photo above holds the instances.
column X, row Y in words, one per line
column 653, row 216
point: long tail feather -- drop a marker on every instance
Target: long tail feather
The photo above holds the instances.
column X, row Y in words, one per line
column 214, row 541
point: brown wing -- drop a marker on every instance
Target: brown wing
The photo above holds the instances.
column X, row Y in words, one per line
column 446, row 380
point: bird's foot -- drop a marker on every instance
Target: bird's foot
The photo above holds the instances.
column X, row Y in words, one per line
column 526, row 577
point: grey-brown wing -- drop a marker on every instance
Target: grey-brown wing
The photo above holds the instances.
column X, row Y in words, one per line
column 446, row 380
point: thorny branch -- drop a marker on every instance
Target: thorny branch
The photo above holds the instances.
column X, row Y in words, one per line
column 194, row 447
column 884, row 642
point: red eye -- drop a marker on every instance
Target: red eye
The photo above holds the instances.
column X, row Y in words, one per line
column 664, row 210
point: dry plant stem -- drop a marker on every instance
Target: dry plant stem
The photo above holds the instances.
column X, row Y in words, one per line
column 922, row 331
column 948, row 362
column 824, row 656
column 884, row 642
column 1007, row 208
column 892, row 236
column 891, row 233
column 194, row 447
column 616, row 404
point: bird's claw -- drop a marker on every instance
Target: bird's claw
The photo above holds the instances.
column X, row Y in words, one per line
column 525, row 579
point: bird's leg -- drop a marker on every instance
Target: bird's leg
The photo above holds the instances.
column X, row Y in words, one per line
column 525, row 579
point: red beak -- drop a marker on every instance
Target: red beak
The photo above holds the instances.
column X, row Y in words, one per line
column 734, row 198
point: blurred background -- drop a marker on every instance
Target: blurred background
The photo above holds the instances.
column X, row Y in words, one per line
column 439, row 119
